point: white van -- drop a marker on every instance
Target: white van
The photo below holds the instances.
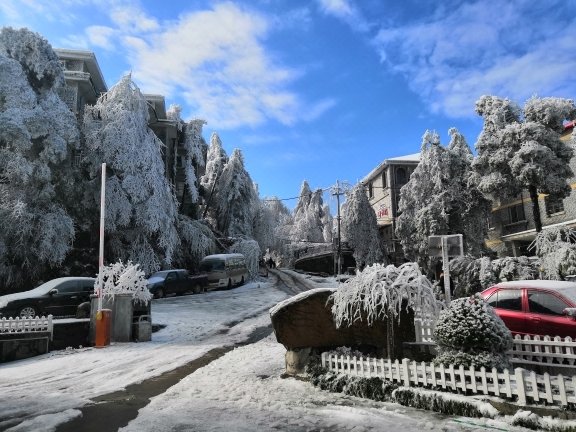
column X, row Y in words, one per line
column 224, row 270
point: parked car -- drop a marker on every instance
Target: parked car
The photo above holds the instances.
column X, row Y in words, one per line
column 224, row 270
column 57, row 297
column 177, row 281
column 536, row 307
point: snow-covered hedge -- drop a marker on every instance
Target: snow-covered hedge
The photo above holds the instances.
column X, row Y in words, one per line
column 120, row 278
column 469, row 333
column 381, row 291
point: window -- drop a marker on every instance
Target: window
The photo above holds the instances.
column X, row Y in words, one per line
column 171, row 276
column 384, row 179
column 506, row 299
column 553, row 205
column 514, row 214
column 401, row 177
column 67, row 287
column 370, row 190
column 545, row 303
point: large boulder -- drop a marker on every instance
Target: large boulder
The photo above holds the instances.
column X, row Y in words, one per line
column 305, row 321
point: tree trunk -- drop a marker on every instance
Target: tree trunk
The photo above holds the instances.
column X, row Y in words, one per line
column 535, row 207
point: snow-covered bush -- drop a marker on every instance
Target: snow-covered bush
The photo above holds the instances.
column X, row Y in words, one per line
column 556, row 248
column 251, row 252
column 381, row 291
column 120, row 278
column 469, row 333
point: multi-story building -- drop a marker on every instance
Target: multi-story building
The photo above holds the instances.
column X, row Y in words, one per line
column 511, row 226
column 84, row 80
column 383, row 185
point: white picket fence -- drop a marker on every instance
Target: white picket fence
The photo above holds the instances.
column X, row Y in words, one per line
column 27, row 325
column 544, row 350
column 520, row 385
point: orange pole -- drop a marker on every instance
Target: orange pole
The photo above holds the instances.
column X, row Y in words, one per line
column 103, row 327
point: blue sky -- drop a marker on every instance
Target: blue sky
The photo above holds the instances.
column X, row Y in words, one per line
column 320, row 90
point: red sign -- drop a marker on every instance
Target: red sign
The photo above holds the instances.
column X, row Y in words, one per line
column 382, row 212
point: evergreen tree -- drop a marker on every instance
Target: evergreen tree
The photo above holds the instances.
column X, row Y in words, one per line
column 37, row 134
column 360, row 228
column 440, row 199
column 235, row 198
column 216, row 158
column 308, row 214
column 141, row 210
column 521, row 149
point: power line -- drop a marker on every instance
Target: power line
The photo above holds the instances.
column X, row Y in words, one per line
column 296, row 197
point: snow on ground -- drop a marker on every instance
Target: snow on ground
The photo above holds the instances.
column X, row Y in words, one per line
column 243, row 392
column 240, row 391
column 61, row 380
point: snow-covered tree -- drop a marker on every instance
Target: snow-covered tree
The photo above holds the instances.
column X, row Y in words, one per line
column 556, row 248
column 381, row 291
column 141, row 210
column 360, row 228
column 307, row 216
column 235, row 198
column 37, row 133
column 440, row 199
column 193, row 157
column 469, row 333
column 197, row 241
column 252, row 253
column 216, row 158
column 327, row 224
column 521, row 149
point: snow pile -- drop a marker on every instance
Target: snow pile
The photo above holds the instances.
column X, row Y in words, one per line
column 381, row 291
column 469, row 333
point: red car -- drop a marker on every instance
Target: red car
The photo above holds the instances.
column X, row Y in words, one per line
column 537, row 307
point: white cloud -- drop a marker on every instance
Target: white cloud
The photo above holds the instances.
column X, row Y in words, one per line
column 216, row 59
column 101, row 36
column 345, row 11
column 133, row 19
column 508, row 48
column 317, row 110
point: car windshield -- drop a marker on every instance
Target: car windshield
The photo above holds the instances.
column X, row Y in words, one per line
column 157, row 277
column 211, row 265
column 570, row 293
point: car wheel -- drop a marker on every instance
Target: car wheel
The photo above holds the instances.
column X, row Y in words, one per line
column 160, row 293
column 197, row 289
column 242, row 281
column 27, row 312
column 229, row 284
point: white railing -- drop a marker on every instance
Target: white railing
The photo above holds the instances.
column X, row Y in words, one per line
column 27, row 325
column 544, row 350
column 525, row 387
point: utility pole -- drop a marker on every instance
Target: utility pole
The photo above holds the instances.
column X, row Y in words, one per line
column 338, row 190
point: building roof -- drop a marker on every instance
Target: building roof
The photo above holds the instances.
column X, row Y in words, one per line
column 411, row 159
column 92, row 65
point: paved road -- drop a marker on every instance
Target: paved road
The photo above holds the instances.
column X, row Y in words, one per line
column 112, row 411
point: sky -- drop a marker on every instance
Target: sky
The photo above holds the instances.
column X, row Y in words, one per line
column 320, row 90
column 241, row 391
